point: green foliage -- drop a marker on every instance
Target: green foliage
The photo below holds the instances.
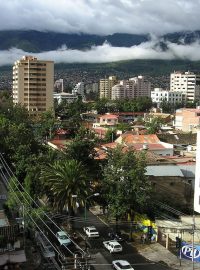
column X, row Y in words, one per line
column 110, row 135
column 139, row 104
column 125, row 185
column 63, row 179
column 153, row 125
column 45, row 126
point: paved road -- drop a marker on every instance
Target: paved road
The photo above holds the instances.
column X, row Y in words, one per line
column 102, row 259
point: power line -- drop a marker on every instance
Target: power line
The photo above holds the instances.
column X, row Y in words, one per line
column 4, row 163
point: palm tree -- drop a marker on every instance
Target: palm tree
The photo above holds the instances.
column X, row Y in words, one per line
column 64, row 179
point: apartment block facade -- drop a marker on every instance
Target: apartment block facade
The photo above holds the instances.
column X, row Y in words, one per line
column 132, row 88
column 33, row 84
column 105, row 86
column 188, row 83
column 158, row 95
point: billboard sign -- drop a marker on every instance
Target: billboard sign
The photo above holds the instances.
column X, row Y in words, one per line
column 186, row 252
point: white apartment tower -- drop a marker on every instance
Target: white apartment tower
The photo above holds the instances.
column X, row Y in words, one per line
column 105, row 86
column 33, row 83
column 188, row 83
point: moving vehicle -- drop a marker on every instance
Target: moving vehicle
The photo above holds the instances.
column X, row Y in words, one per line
column 116, row 236
column 91, row 231
column 113, row 246
column 122, row 265
column 63, row 238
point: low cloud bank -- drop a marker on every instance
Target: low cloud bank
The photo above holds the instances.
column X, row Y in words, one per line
column 106, row 53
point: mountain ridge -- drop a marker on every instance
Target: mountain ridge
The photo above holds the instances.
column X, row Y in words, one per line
column 35, row 42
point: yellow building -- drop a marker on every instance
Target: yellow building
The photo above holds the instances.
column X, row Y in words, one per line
column 105, row 86
column 33, row 82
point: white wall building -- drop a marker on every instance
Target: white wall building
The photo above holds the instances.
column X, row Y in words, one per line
column 68, row 97
column 92, row 87
column 79, row 90
column 158, row 95
column 188, row 83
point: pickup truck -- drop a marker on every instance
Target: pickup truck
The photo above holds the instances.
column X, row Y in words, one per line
column 113, row 246
column 91, row 231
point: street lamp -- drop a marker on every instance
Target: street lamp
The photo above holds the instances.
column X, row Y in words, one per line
column 85, row 209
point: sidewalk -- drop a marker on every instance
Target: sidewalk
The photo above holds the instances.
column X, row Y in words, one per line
column 157, row 253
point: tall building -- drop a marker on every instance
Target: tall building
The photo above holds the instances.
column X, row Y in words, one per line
column 79, row 89
column 132, row 88
column 188, row 83
column 33, row 84
column 105, row 86
column 142, row 87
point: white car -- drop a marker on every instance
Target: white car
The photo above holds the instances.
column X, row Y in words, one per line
column 113, row 246
column 91, row 231
column 63, row 239
column 122, row 265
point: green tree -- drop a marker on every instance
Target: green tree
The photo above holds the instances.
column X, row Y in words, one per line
column 125, row 185
column 153, row 125
column 64, row 179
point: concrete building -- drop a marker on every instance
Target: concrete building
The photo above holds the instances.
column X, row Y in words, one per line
column 188, row 83
column 105, row 86
column 132, row 88
column 92, row 88
column 33, row 83
column 142, row 87
column 187, row 119
column 79, row 90
column 148, row 142
column 59, row 86
column 68, row 97
column 109, row 120
column 158, row 95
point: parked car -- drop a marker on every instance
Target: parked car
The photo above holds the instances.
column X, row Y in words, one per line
column 63, row 238
column 45, row 245
column 113, row 246
column 91, row 231
column 122, row 265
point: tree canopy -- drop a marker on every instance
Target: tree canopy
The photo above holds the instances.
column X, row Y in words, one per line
column 125, row 185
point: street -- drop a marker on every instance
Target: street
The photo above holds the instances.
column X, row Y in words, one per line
column 101, row 258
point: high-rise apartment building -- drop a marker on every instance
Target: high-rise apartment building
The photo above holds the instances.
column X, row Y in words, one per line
column 132, row 88
column 33, row 84
column 105, row 86
column 142, row 86
column 188, row 83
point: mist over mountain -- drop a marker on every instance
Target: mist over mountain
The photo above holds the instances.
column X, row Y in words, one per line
column 36, row 42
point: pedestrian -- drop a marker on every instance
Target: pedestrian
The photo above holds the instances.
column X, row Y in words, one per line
column 142, row 239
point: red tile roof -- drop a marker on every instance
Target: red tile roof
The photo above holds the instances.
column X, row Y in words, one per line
column 109, row 116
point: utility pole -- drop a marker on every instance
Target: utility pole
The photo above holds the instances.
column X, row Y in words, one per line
column 193, row 228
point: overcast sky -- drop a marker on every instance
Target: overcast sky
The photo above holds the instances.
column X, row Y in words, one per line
column 154, row 17
column 101, row 16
